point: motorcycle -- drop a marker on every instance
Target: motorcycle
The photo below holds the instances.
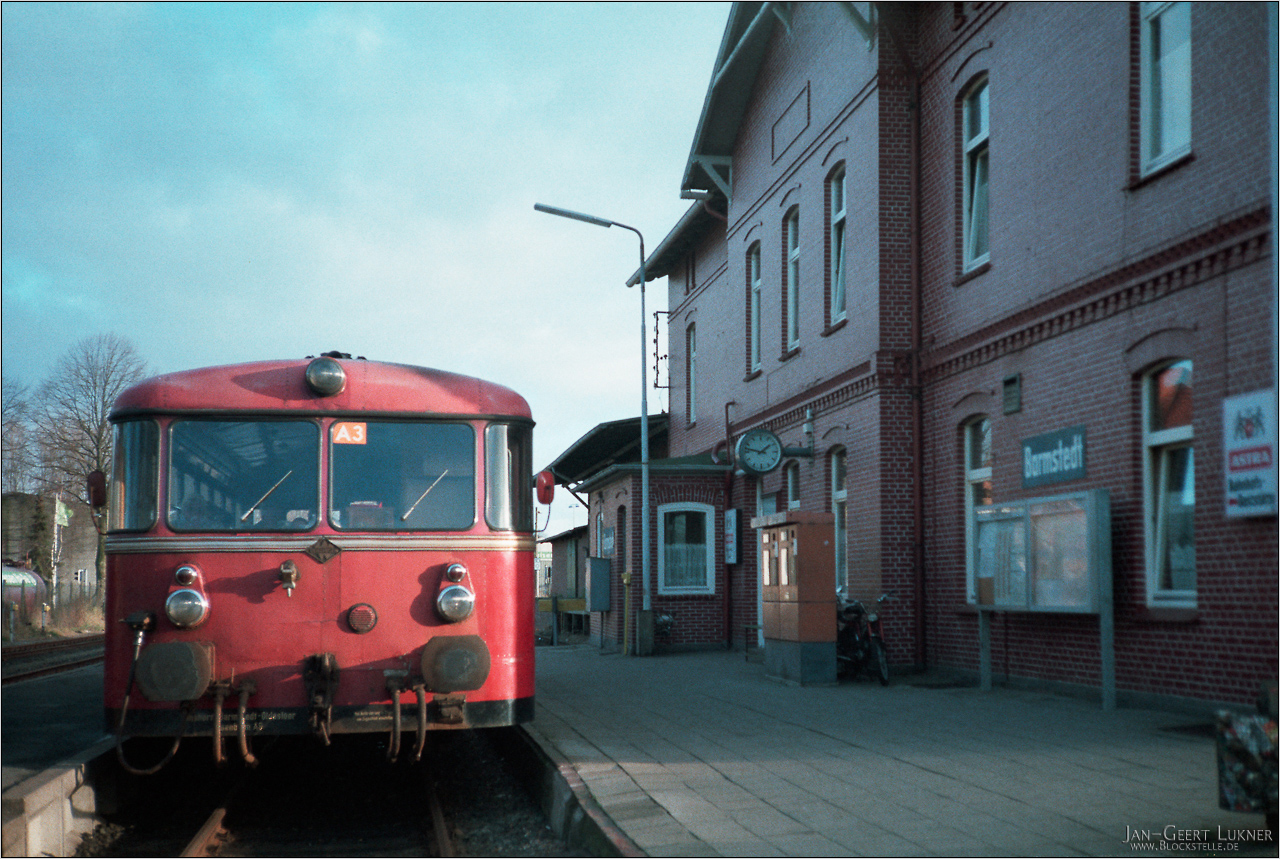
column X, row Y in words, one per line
column 859, row 639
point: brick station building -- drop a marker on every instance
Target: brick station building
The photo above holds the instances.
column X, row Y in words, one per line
column 959, row 257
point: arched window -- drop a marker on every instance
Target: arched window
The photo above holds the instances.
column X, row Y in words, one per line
column 976, row 141
column 791, row 283
column 1169, row 477
column 691, row 373
column 839, row 502
column 836, row 309
column 620, row 541
column 977, row 490
column 753, row 309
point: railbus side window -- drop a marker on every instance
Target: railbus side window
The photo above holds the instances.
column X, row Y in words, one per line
column 135, row 476
column 244, row 475
column 508, row 457
column 402, row 476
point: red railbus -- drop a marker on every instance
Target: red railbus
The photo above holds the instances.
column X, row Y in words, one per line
column 327, row 546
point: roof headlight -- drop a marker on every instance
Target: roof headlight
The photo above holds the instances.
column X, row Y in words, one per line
column 186, row 608
column 326, row 377
column 455, row 603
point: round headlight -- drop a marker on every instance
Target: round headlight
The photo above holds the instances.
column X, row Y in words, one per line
column 186, row 608
column 455, row 603
column 326, row 377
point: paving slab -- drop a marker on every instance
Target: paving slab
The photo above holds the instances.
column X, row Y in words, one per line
column 701, row 754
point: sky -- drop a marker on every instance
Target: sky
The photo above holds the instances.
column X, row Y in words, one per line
column 220, row 183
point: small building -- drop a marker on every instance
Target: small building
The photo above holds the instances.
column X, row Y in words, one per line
column 55, row 538
column 560, row 586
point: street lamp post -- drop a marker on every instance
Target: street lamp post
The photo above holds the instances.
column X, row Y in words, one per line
column 644, row 395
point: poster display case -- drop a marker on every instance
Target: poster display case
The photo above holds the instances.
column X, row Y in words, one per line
column 1047, row 555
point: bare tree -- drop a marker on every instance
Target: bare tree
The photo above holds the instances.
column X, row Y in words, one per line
column 71, row 412
column 17, row 469
column 73, row 404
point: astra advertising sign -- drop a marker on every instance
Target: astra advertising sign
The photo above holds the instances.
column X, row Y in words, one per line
column 1249, row 448
column 1054, row 457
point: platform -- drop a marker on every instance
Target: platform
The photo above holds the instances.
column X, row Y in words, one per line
column 47, row 719
column 699, row 754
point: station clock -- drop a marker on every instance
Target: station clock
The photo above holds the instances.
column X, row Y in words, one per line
column 758, row 451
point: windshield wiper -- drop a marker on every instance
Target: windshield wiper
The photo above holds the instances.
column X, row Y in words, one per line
column 249, row 512
column 423, row 495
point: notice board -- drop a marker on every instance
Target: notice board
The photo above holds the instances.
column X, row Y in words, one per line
column 1045, row 554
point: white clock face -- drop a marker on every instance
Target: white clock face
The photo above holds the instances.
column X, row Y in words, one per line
column 759, row 451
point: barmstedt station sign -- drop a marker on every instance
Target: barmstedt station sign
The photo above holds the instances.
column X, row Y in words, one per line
column 1054, row 457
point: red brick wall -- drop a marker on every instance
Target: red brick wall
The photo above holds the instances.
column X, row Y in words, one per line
column 1088, row 274
column 1093, row 277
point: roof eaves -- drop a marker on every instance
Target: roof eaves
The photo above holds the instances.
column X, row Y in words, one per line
column 590, row 450
column 741, row 52
column 575, row 532
column 693, row 224
column 689, row 465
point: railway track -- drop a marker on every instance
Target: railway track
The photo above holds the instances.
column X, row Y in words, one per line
column 301, row 800
column 463, row 799
column 37, row 658
column 243, row 826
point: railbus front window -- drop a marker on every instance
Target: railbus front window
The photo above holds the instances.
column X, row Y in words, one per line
column 400, row 476
column 508, row 477
column 135, row 476
column 244, row 475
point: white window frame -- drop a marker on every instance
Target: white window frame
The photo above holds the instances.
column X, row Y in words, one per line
column 977, row 474
column 708, row 585
column 1165, row 85
column 977, row 173
column 839, row 504
column 753, row 272
column 1156, row 447
column 792, row 226
column 691, row 371
column 839, row 291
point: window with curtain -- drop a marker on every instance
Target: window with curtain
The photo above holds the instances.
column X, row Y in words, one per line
column 686, row 548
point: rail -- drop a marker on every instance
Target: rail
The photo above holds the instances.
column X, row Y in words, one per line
column 31, row 659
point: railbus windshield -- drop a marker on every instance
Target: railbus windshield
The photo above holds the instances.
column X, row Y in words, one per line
column 392, row 476
column 243, row 475
column 263, row 474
